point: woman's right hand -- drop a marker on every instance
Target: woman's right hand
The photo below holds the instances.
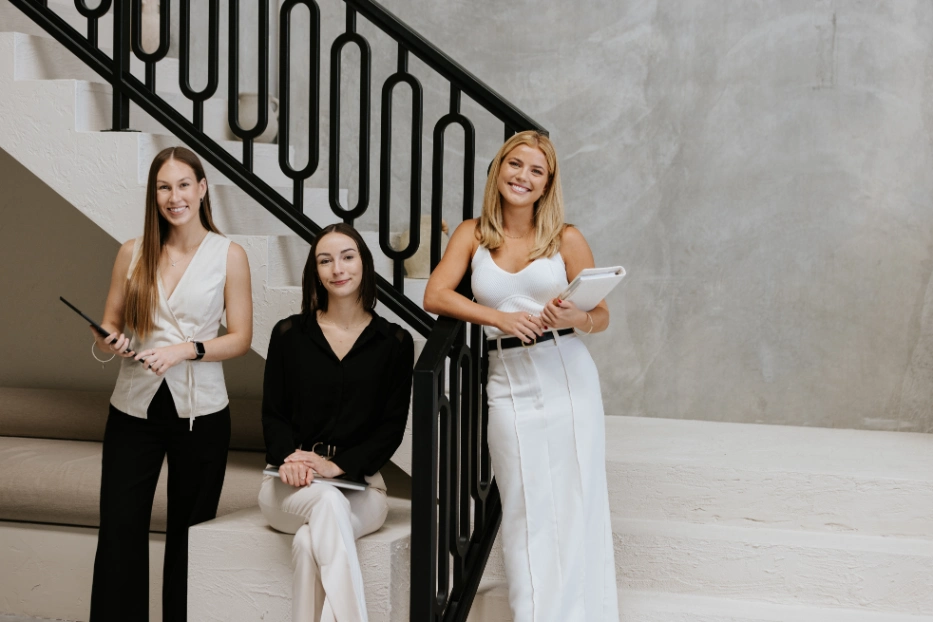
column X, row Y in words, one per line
column 296, row 474
column 525, row 326
column 117, row 343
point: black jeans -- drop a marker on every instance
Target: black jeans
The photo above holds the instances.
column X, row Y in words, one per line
column 133, row 452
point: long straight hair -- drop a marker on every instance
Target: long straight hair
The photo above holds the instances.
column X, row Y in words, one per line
column 313, row 292
column 548, row 210
column 142, row 288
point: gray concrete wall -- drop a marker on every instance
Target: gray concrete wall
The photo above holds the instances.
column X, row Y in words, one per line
column 764, row 172
column 50, row 249
column 762, row 169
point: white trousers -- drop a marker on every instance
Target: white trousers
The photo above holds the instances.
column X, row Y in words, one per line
column 547, row 444
column 327, row 585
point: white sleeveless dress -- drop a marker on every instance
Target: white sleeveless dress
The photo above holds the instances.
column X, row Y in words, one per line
column 547, row 444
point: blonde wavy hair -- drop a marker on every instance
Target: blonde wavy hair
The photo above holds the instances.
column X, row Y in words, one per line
column 548, row 210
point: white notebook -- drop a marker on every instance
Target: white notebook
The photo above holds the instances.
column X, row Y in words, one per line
column 339, row 482
column 592, row 285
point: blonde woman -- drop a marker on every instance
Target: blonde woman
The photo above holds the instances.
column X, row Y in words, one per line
column 546, row 428
column 169, row 290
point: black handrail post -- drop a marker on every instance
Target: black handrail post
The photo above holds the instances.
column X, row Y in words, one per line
column 121, row 65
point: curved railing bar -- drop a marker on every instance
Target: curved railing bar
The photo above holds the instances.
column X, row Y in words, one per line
column 471, row 86
column 233, row 79
column 362, row 198
column 385, row 169
column 437, row 170
column 150, row 58
column 92, row 16
column 285, row 107
column 184, row 58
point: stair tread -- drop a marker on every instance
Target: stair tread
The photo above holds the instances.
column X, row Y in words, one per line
column 637, row 606
column 774, row 448
column 769, row 537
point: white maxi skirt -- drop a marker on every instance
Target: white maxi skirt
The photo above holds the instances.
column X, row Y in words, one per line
column 547, row 444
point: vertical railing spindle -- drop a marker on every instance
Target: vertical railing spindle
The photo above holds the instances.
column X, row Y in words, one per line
column 233, row 106
column 362, row 200
column 184, row 59
column 385, row 170
column 314, row 103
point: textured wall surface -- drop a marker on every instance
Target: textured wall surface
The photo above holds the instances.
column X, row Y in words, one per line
column 764, row 172
column 762, row 169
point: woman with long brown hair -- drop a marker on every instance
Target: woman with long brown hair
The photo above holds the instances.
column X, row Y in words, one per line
column 169, row 290
column 546, row 431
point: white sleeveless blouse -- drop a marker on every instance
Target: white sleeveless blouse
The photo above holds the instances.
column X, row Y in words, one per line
column 527, row 290
column 192, row 313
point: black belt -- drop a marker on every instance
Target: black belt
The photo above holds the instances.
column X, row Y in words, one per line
column 513, row 342
column 325, row 450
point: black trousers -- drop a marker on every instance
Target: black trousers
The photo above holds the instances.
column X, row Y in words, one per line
column 133, row 452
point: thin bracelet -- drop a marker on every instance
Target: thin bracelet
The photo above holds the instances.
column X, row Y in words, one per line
column 592, row 324
column 94, row 354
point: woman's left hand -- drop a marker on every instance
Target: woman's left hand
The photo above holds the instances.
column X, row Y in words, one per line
column 319, row 464
column 562, row 314
column 160, row 360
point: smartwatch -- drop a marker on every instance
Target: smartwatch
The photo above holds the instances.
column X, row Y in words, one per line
column 199, row 350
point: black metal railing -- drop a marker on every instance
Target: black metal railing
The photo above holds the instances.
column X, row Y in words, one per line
column 455, row 502
column 456, row 509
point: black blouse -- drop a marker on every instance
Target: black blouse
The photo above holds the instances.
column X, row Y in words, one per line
column 358, row 404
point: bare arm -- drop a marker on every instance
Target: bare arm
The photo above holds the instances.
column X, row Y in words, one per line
column 441, row 296
column 238, row 300
column 115, row 306
column 564, row 314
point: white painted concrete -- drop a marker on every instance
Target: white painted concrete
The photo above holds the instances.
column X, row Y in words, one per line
column 47, row 570
column 240, row 569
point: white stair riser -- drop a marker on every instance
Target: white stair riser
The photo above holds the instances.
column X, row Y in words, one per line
column 47, row 570
column 746, row 497
column 491, row 605
column 14, row 20
column 246, row 574
column 773, row 568
column 40, row 58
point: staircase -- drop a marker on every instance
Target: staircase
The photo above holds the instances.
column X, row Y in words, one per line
column 712, row 522
column 723, row 522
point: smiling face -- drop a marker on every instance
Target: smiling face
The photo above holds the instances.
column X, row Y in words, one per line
column 179, row 193
column 523, row 176
column 339, row 265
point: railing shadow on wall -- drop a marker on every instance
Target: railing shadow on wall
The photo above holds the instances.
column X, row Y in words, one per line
column 455, row 502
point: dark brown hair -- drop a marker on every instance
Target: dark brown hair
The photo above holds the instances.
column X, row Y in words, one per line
column 313, row 293
column 142, row 288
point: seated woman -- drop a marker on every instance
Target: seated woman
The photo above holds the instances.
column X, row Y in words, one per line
column 335, row 401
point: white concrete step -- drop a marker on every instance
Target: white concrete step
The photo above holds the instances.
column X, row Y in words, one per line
column 14, row 20
column 42, row 58
column 811, row 569
column 794, row 478
column 240, row 568
column 491, row 605
column 47, row 570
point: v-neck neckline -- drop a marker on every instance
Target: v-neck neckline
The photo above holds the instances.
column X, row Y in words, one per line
column 356, row 342
column 184, row 274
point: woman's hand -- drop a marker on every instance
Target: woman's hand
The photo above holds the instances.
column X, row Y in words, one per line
column 160, row 360
column 296, row 474
column 117, row 343
column 525, row 326
column 321, row 465
column 563, row 314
